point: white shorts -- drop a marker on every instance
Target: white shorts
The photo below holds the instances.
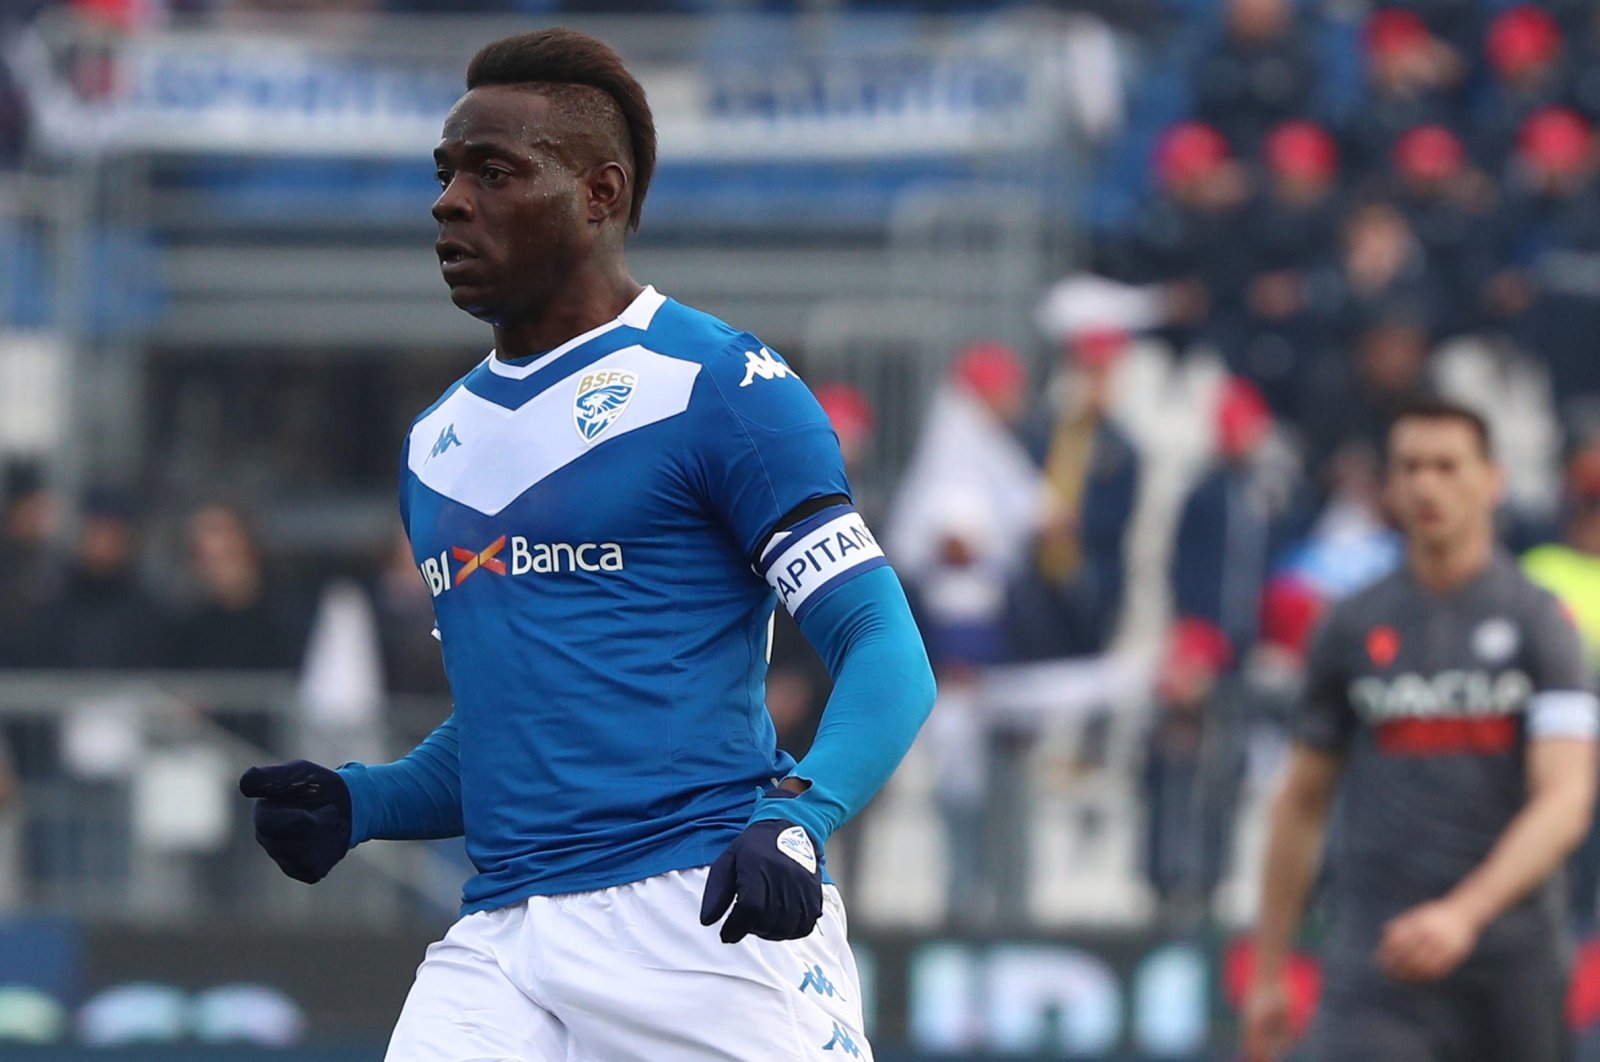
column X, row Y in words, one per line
column 629, row 973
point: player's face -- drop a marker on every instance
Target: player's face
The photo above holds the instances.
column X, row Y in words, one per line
column 510, row 211
column 1442, row 487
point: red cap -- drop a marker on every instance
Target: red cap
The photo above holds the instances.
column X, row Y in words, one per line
column 990, row 369
column 1194, row 641
column 1189, row 150
column 1395, row 31
column 1098, row 347
column 1429, row 153
column 1243, row 417
column 848, row 410
column 1289, row 613
column 1302, row 149
column 1521, row 38
column 1556, row 139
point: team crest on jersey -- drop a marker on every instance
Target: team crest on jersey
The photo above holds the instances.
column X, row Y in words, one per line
column 601, row 398
column 1496, row 640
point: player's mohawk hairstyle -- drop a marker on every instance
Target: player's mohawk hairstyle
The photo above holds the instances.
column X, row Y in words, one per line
column 567, row 57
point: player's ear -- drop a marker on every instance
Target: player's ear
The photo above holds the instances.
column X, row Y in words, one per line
column 1497, row 484
column 608, row 191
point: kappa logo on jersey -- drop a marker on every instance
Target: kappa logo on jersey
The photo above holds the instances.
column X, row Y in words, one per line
column 537, row 558
column 764, row 365
column 447, row 438
column 601, row 398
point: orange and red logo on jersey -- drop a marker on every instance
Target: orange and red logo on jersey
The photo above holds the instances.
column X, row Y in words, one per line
column 483, row 558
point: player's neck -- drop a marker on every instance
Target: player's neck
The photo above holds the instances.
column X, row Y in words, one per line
column 1445, row 569
column 589, row 299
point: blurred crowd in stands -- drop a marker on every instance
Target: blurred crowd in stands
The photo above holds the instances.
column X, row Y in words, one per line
column 1297, row 278
column 98, row 598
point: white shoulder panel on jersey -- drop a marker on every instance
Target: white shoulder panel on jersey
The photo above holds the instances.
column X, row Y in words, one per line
column 484, row 456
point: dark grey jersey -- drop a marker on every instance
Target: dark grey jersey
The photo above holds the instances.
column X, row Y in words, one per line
column 1430, row 700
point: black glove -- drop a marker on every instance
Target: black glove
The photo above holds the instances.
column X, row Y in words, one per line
column 772, row 870
column 302, row 816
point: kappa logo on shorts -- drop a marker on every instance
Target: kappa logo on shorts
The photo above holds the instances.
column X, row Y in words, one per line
column 841, row 1042
column 795, row 844
column 601, row 398
column 818, row 982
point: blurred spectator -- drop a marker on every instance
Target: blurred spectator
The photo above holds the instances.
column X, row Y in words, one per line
column 961, row 521
column 1292, row 230
column 102, row 615
column 30, row 568
column 1187, row 239
column 1454, row 210
column 1525, row 52
column 1585, row 65
column 1412, row 77
column 1456, row 23
column 403, row 615
column 1570, row 569
column 966, row 506
column 1066, row 598
column 1558, row 217
column 1241, row 514
column 1262, row 72
column 1352, row 543
column 237, row 619
column 1237, row 518
column 1382, row 272
column 1388, row 367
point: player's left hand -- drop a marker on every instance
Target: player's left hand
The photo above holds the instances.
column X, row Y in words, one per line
column 771, row 877
column 1427, row 942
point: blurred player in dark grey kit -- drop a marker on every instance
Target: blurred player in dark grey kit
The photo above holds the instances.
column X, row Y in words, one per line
column 1448, row 722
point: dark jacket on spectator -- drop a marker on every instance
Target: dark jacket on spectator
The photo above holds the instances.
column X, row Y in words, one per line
column 1245, row 88
column 1047, row 620
column 1235, row 521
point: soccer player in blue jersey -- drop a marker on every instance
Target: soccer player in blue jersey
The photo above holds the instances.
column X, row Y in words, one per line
column 606, row 511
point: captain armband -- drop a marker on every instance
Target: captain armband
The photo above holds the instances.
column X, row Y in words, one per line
column 825, row 550
column 1564, row 714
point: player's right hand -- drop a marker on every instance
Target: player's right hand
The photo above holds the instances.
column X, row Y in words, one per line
column 302, row 816
column 1268, row 1033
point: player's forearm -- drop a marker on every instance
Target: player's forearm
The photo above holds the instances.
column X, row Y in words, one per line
column 883, row 691
column 1294, row 851
column 414, row 798
column 1537, row 842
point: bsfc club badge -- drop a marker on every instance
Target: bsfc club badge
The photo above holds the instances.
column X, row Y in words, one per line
column 601, row 398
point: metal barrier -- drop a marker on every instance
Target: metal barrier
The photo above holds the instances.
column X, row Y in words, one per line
column 127, row 810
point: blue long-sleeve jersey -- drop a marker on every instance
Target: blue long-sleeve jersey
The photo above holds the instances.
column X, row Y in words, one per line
column 605, row 530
